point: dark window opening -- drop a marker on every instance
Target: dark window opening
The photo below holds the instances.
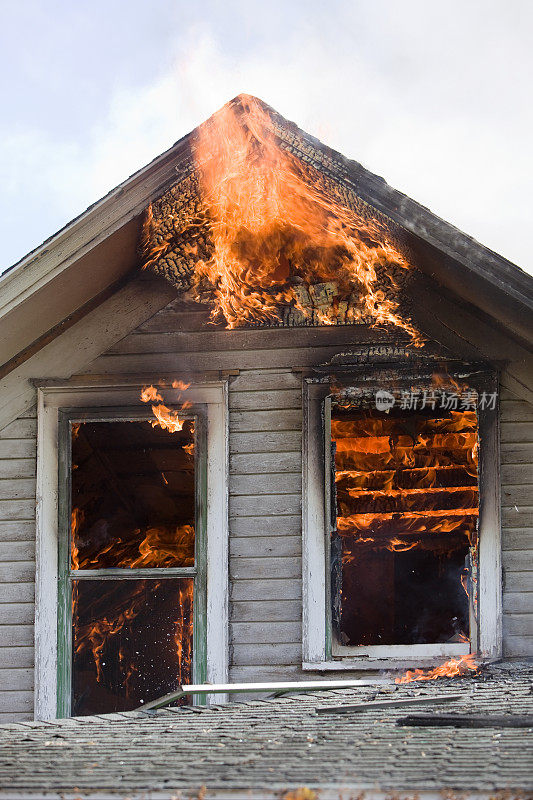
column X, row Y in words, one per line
column 133, row 507
column 132, row 642
column 404, row 540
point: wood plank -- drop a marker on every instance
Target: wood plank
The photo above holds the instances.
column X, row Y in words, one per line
column 267, row 505
column 520, row 495
column 17, row 531
column 269, row 483
column 518, row 624
column 285, row 525
column 21, row 428
column 265, row 632
column 16, row 657
column 518, row 539
column 224, row 339
column 17, row 614
column 173, row 363
column 517, row 474
column 277, row 546
column 14, row 488
column 515, row 411
column 16, row 702
column 17, row 509
column 17, row 551
column 265, row 401
column 259, row 654
column 517, row 581
column 518, row 602
column 250, row 421
column 262, row 463
column 9, row 717
column 267, row 611
column 516, row 646
column 13, row 571
column 267, row 672
column 265, row 442
column 265, row 568
column 518, row 560
column 516, row 453
column 16, row 593
column 16, row 679
column 30, row 413
column 273, row 589
column 18, row 448
column 169, row 320
column 16, row 635
column 254, row 380
column 521, row 432
column 517, row 517
column 18, row 468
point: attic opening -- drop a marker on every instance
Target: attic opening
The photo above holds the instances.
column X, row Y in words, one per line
column 133, row 562
column 404, row 526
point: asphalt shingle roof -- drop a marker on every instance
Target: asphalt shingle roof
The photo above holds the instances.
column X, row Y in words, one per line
column 265, row 748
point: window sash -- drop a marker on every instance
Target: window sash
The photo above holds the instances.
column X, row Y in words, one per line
column 66, row 575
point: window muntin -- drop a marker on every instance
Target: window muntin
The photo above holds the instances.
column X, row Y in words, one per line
column 403, row 510
column 132, row 583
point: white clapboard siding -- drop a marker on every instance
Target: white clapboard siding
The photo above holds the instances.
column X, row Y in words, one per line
column 17, row 567
column 517, row 524
column 265, row 494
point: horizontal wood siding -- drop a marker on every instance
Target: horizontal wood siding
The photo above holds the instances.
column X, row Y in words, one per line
column 17, row 567
column 265, row 522
column 517, row 524
column 265, row 496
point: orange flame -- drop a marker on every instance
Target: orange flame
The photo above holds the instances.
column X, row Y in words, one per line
column 402, row 482
column 77, row 516
column 450, row 669
column 279, row 227
column 149, row 393
column 165, row 417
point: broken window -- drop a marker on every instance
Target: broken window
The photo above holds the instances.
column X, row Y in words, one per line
column 403, row 510
column 133, row 560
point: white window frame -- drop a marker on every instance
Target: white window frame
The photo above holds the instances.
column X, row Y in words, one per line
column 51, row 400
column 318, row 652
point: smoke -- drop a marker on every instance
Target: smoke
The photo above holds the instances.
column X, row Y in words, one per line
column 431, row 96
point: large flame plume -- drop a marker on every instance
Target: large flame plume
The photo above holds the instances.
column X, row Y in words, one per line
column 277, row 225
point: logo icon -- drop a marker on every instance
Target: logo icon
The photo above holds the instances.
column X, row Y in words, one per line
column 384, row 401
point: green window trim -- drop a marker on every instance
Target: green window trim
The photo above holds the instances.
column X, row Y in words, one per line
column 66, row 575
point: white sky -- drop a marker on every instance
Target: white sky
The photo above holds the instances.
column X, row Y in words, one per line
column 434, row 96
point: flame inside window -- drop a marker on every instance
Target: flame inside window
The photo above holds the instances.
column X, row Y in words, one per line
column 404, row 544
column 133, row 507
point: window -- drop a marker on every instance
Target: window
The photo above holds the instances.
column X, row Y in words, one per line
column 401, row 551
column 132, row 562
column 131, row 590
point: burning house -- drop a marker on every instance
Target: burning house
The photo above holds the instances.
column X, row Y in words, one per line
column 262, row 417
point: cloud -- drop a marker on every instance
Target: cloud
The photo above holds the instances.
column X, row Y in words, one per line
column 419, row 94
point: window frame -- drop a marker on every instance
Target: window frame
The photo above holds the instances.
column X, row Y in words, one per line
column 58, row 402
column 319, row 650
column 66, row 575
